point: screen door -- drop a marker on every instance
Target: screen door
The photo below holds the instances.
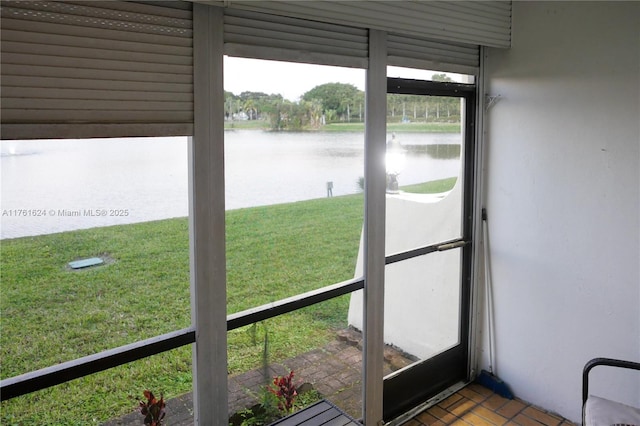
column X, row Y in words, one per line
column 429, row 167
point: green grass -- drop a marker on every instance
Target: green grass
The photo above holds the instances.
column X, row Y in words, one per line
column 51, row 314
column 433, row 187
column 397, row 127
column 417, row 127
column 246, row 125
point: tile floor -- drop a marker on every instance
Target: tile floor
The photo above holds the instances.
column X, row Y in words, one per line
column 476, row 405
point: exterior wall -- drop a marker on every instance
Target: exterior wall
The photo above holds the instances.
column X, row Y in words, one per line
column 421, row 304
column 562, row 195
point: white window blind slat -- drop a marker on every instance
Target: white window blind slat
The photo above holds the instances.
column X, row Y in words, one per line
column 422, row 47
column 44, row 50
column 150, row 9
column 97, row 75
column 260, row 18
column 325, row 34
column 11, row 82
column 126, row 62
column 476, row 14
column 57, row 93
column 47, row 28
column 110, row 16
column 421, row 16
column 255, row 37
column 86, row 131
column 291, row 55
column 66, row 104
column 88, row 118
column 37, row 40
column 414, row 52
column 430, row 64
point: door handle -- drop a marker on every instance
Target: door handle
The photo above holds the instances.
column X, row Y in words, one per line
column 449, row 246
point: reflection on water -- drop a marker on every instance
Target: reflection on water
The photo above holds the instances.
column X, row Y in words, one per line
column 437, row 151
column 58, row 185
column 13, row 152
column 53, row 186
column 343, row 153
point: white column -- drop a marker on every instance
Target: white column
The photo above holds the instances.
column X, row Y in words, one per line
column 207, row 221
column 477, row 327
column 374, row 227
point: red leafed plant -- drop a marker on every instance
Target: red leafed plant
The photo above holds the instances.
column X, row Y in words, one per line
column 152, row 409
column 286, row 391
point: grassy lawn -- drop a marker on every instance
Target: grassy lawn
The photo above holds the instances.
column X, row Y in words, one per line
column 397, row 127
column 433, row 187
column 51, row 314
column 356, row 127
column 246, row 125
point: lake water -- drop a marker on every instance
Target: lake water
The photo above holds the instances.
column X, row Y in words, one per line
column 60, row 185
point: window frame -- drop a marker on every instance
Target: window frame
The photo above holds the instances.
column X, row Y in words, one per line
column 209, row 320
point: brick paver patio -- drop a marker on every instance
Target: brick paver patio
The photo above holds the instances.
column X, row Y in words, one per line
column 335, row 371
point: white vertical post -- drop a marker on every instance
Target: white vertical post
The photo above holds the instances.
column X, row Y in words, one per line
column 207, row 221
column 374, row 227
column 476, row 326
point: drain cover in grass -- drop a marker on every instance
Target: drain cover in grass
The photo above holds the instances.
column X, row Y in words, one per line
column 85, row 263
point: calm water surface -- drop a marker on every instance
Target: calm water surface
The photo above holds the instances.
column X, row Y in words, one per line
column 59, row 185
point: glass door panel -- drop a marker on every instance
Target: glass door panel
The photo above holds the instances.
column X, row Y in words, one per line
column 428, row 162
column 422, row 314
column 424, row 184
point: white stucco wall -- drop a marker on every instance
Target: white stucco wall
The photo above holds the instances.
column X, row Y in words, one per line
column 563, row 198
column 422, row 294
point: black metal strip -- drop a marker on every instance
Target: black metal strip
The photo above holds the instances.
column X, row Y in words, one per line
column 291, row 304
column 405, row 86
column 57, row 374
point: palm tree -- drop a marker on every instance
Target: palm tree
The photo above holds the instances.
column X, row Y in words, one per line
column 250, row 108
column 314, row 111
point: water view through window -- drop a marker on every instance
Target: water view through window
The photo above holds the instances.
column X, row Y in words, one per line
column 297, row 157
column 121, row 205
column 51, row 186
column 294, row 179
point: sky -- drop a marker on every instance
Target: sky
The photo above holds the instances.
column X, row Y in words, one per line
column 289, row 79
column 292, row 80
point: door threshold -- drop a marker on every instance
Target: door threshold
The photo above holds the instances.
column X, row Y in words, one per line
column 427, row 404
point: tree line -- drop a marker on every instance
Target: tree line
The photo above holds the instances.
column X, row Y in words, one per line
column 336, row 103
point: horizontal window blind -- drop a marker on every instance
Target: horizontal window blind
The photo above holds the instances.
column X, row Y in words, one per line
column 96, row 69
column 440, row 36
column 416, row 52
column 113, row 68
column 484, row 23
column 265, row 36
